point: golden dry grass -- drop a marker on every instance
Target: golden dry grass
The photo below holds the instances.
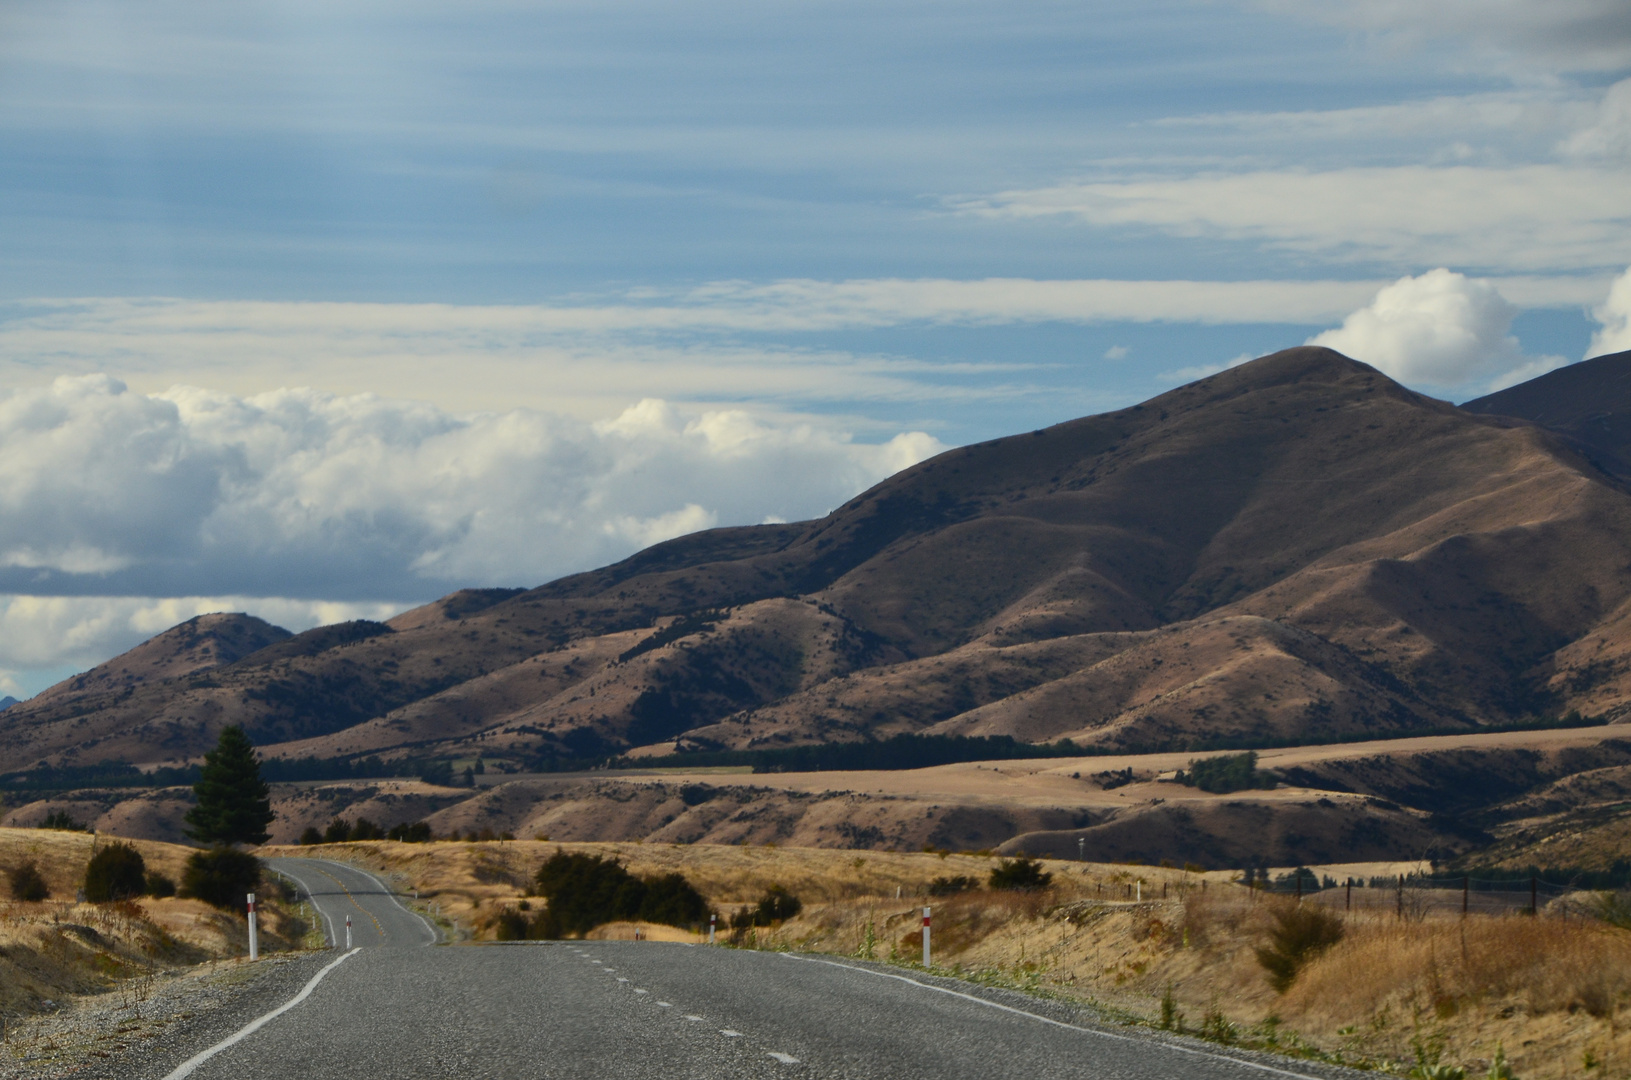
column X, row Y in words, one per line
column 58, row 947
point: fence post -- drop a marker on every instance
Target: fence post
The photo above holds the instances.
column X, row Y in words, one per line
column 1466, row 882
column 1350, row 905
column 925, row 939
column 348, row 932
column 254, row 937
column 712, row 919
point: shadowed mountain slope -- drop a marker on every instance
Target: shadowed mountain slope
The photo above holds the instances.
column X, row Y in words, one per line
column 1295, row 549
column 1589, row 401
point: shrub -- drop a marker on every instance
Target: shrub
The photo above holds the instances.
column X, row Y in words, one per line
column 510, row 925
column 1221, row 775
column 27, row 883
column 1301, row 932
column 63, row 821
column 221, row 877
column 416, row 833
column 585, row 891
column 160, row 885
column 776, row 905
column 1020, row 875
column 366, row 830
column 951, row 886
column 338, row 831
column 116, row 872
column 311, row 836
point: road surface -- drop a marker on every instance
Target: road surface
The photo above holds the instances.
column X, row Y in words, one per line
column 398, row 1006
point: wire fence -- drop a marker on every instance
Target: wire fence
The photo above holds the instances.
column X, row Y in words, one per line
column 1418, row 895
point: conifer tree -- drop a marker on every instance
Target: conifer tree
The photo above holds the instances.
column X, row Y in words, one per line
column 234, row 803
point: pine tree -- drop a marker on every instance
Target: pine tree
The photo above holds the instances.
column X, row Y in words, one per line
column 234, row 803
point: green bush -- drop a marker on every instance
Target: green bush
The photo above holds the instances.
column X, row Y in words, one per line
column 116, row 872
column 160, row 885
column 221, row 877
column 366, row 830
column 62, row 821
column 776, row 905
column 27, row 883
column 1020, row 875
column 338, row 831
column 585, row 891
column 310, row 836
column 1231, row 772
column 416, row 833
column 951, row 886
column 1301, row 932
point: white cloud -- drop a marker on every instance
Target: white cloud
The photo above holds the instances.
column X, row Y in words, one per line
column 1615, row 316
column 1201, row 371
column 1521, row 218
column 1608, row 135
column 301, row 493
column 1441, row 330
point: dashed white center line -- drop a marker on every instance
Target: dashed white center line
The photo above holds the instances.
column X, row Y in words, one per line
column 621, row 979
column 665, row 1005
column 639, row 991
column 785, row 1059
column 729, row 1034
column 690, row 1017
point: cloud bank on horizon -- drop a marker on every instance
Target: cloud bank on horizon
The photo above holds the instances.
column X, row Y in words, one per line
column 322, row 311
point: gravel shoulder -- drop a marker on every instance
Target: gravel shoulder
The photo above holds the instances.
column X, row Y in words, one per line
column 146, row 1027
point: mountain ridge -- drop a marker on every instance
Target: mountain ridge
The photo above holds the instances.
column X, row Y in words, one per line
column 1294, row 548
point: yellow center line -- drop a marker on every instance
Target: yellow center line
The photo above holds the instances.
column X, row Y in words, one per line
column 353, row 900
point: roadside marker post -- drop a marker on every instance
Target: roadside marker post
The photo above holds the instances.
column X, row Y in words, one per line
column 254, row 936
column 712, row 918
column 348, row 932
column 925, row 939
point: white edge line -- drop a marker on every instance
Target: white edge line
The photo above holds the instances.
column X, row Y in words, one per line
column 328, row 920
column 186, row 1068
column 435, row 934
column 1058, row 1023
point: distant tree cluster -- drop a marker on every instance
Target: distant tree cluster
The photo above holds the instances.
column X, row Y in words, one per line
column 1231, row 772
column 340, row 831
column 62, row 821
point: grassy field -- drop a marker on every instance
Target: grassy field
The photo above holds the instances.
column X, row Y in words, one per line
column 1395, row 993
column 56, row 948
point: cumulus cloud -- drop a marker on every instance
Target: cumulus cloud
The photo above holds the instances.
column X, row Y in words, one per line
column 305, row 494
column 1615, row 316
column 1441, row 330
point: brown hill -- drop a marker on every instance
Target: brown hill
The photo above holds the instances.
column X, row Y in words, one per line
column 1589, row 401
column 1296, row 549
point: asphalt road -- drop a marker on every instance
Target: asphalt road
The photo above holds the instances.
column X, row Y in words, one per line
column 397, row 1007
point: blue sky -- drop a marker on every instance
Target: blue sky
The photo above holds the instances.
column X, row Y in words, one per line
column 321, row 310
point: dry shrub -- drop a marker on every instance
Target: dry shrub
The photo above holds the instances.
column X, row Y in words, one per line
column 1300, row 934
column 1550, row 965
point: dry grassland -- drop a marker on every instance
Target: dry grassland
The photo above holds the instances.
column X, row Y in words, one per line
column 1392, row 994
column 57, row 948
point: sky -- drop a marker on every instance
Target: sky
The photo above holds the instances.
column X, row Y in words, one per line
column 323, row 310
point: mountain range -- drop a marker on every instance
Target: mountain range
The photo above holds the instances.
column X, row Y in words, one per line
column 1297, row 549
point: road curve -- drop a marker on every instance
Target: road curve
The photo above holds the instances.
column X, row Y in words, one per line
column 392, row 1007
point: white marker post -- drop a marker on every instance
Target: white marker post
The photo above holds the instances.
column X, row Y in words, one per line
column 348, row 932
column 254, row 936
column 712, row 918
column 925, row 938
